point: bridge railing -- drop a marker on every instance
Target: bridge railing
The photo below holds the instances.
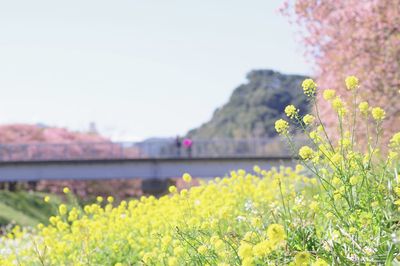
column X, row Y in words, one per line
column 137, row 150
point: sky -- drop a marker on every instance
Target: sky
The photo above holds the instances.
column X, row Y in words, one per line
column 137, row 68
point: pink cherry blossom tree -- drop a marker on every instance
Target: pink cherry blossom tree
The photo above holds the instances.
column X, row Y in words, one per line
column 353, row 37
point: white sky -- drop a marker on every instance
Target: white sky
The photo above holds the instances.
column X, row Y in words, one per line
column 138, row 68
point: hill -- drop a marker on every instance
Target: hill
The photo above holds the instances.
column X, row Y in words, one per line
column 254, row 107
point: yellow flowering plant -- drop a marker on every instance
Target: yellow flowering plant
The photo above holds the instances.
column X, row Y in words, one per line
column 361, row 191
column 238, row 219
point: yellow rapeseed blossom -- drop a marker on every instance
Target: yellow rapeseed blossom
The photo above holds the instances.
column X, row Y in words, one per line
column 281, row 126
column 302, row 258
column 173, row 261
column 245, row 250
column 337, row 104
column 262, row 248
column 309, row 87
column 378, row 114
column 320, row 262
column 248, row 262
column 308, row 119
column 66, row 190
column 257, row 169
column 291, row 111
column 354, row 180
column 351, row 83
column 306, row 153
column 202, row 249
column 187, row 177
column 276, row 233
column 172, row 189
column 395, row 141
column 110, row 199
column 329, row 94
column 62, row 209
column 363, row 107
column 46, row 199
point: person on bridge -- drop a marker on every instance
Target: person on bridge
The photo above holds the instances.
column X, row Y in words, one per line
column 178, row 144
column 188, row 143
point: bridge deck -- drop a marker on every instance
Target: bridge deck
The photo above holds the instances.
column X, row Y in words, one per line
column 111, row 160
column 132, row 168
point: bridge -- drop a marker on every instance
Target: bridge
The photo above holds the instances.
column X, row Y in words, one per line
column 146, row 160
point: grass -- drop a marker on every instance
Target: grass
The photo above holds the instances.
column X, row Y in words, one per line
column 25, row 208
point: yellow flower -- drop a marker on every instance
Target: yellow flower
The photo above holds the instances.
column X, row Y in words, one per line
column 66, row 190
column 309, row 87
column 299, row 168
column 320, row 262
column 314, row 206
column 378, row 114
column 73, row 215
column 313, row 135
column 276, row 233
column 184, row 192
column 339, row 107
column 219, row 245
column 337, row 103
column 397, row 191
column 351, row 83
column 172, row 189
column 392, row 155
column 291, row 111
column 173, row 261
column 257, row 169
column 308, row 119
column 202, row 249
column 46, row 199
column 352, row 230
column 110, row 199
column 329, row 94
column 245, row 250
column 62, row 209
column 354, row 180
column 395, row 140
column 302, row 258
column 306, row 153
column 281, row 126
column 363, row 107
column 250, row 236
column 187, row 177
column 178, row 251
column 336, row 181
column 262, row 249
column 248, row 262
column 99, row 199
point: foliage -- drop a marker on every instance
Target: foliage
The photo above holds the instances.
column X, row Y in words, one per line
column 339, row 207
column 351, row 37
column 253, row 107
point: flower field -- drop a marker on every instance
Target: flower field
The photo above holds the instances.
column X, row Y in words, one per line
column 339, row 206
